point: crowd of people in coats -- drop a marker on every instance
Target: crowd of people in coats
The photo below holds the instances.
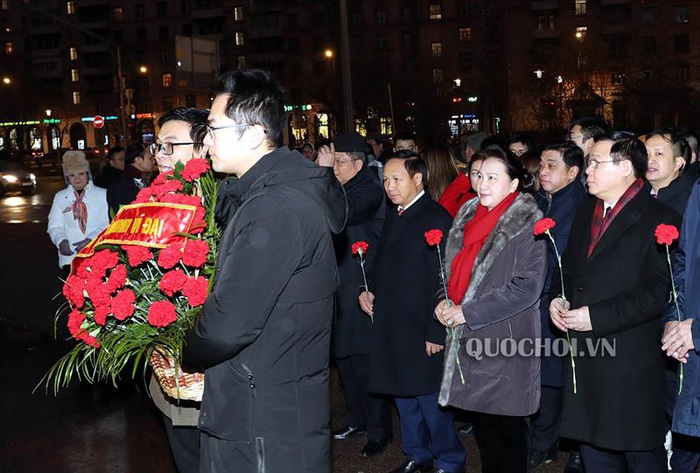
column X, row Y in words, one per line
column 398, row 319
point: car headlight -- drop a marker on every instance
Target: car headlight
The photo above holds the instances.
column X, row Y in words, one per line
column 10, row 178
column 32, row 177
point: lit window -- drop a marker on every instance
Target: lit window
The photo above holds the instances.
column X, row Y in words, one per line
column 9, row 48
column 435, row 11
column 241, row 62
column 437, row 75
column 238, row 14
column 73, row 54
column 436, row 49
column 239, row 39
column 76, row 98
column 465, row 35
column 74, row 76
column 118, row 14
column 166, row 80
column 3, row 5
column 70, row 8
column 545, row 21
column 581, row 32
column 580, row 7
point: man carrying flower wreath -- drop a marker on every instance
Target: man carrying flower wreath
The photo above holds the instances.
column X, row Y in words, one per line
column 263, row 337
column 180, row 138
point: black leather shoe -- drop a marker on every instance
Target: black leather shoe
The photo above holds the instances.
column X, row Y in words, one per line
column 346, row 432
column 375, row 447
column 574, row 465
column 542, row 457
column 465, row 430
column 411, row 466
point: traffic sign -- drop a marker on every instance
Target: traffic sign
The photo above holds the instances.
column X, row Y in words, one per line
column 99, row 121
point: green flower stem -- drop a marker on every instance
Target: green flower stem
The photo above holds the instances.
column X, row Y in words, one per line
column 678, row 312
column 364, row 278
column 450, row 330
column 563, row 297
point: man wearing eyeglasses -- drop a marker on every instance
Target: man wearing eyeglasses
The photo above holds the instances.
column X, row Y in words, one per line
column 180, row 137
column 616, row 282
column 263, row 337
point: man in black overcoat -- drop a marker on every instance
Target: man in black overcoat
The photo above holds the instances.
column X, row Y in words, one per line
column 407, row 342
column 264, row 332
column 351, row 330
column 617, row 282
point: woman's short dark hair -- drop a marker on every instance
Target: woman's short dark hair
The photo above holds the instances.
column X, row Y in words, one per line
column 514, row 167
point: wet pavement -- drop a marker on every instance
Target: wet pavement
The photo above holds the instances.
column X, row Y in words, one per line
column 96, row 428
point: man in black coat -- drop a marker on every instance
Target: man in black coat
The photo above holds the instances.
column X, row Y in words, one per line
column 264, row 333
column 138, row 164
column 366, row 209
column 616, row 282
column 560, row 194
column 406, row 345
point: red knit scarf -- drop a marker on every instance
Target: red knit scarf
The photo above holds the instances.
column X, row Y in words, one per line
column 475, row 233
column 599, row 224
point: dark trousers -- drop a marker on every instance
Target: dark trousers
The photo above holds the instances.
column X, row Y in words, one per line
column 428, row 432
column 184, row 445
column 599, row 460
column 686, row 454
column 368, row 411
column 544, row 424
column 503, row 442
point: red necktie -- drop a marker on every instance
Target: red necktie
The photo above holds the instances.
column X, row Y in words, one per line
column 401, row 211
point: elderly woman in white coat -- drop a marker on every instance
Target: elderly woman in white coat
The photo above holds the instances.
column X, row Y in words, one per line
column 496, row 274
column 79, row 212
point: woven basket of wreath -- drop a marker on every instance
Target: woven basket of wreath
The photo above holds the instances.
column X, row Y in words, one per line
column 175, row 382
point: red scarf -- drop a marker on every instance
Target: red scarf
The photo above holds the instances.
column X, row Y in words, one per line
column 80, row 212
column 599, row 224
column 475, row 233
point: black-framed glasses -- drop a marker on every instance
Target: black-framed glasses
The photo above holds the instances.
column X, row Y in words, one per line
column 168, row 148
column 594, row 163
column 212, row 129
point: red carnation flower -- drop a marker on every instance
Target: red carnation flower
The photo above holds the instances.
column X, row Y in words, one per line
column 543, row 226
column 123, row 304
column 101, row 313
column 99, row 294
column 73, row 291
column 162, row 314
column 117, row 278
column 360, row 247
column 172, row 282
column 161, row 178
column 89, row 340
column 75, row 322
column 194, row 169
column 195, row 289
column 170, row 255
column 137, row 254
column 666, row 234
column 195, row 253
column 433, row 237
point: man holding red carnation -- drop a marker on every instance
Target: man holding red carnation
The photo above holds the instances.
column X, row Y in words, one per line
column 263, row 337
column 617, row 284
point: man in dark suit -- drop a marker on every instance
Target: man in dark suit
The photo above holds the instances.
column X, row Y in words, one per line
column 560, row 194
column 407, row 342
column 138, row 163
column 616, row 281
column 351, row 331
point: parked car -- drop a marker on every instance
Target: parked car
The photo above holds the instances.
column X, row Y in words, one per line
column 14, row 177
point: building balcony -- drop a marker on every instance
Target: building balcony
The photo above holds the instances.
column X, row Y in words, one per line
column 544, row 5
column 545, row 34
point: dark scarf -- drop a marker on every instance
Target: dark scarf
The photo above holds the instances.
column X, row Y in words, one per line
column 475, row 233
column 599, row 224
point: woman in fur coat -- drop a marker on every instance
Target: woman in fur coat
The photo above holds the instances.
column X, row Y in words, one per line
column 496, row 271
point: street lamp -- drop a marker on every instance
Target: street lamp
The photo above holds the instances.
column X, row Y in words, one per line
column 6, row 80
column 48, row 113
column 328, row 53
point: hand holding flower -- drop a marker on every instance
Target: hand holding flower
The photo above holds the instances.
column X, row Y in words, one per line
column 578, row 319
column 367, row 302
column 677, row 339
column 450, row 315
column 557, row 308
